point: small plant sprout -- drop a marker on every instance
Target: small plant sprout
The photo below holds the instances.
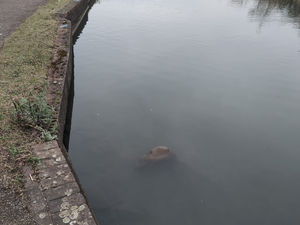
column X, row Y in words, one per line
column 34, row 160
column 13, row 151
column 47, row 136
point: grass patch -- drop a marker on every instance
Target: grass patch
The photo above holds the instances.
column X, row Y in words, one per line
column 24, row 59
column 14, row 151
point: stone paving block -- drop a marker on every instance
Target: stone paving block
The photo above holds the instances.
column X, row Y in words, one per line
column 45, row 146
column 43, row 218
column 45, row 163
column 73, row 214
column 57, row 178
column 53, row 153
column 54, row 171
column 63, row 203
column 61, row 191
column 57, row 198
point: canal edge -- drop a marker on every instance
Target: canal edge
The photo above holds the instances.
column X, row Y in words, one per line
column 55, row 194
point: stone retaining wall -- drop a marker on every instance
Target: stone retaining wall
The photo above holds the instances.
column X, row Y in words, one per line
column 55, row 193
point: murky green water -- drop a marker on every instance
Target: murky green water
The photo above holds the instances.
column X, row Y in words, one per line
column 217, row 81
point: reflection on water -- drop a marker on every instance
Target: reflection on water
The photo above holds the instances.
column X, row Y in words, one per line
column 264, row 8
column 68, row 122
column 196, row 76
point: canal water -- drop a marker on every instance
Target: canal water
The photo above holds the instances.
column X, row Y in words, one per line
column 218, row 82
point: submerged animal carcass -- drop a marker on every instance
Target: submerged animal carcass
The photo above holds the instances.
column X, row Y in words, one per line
column 157, row 154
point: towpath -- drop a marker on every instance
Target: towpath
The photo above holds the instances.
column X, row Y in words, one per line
column 12, row 13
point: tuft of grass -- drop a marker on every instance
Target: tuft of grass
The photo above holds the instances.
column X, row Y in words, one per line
column 14, row 151
column 48, row 136
column 34, row 112
column 34, row 160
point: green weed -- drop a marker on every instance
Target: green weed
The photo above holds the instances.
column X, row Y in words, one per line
column 14, row 151
column 48, row 136
column 34, row 160
column 33, row 113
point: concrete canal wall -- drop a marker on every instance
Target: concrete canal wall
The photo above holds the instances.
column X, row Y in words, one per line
column 55, row 194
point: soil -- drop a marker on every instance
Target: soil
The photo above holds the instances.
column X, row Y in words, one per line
column 12, row 209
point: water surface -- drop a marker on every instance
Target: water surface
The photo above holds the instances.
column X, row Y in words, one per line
column 215, row 80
